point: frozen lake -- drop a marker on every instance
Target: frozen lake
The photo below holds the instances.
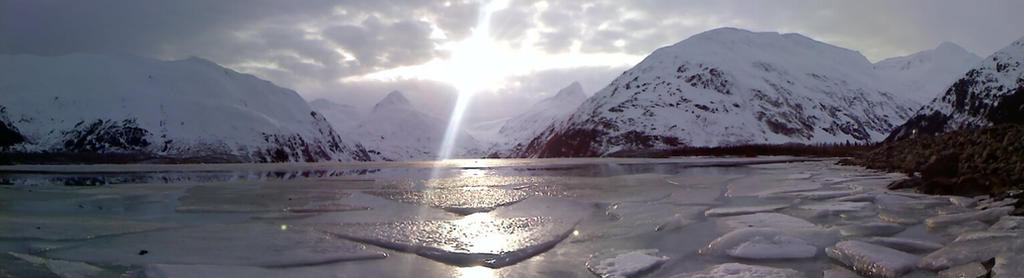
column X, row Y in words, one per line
column 685, row 217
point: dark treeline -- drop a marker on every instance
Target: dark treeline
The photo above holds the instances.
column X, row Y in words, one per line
column 813, row 150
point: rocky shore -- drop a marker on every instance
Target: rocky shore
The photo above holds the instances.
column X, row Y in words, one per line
column 967, row 162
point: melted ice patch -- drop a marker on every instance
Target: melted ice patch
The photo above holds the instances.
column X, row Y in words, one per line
column 622, row 264
column 230, row 244
column 478, row 239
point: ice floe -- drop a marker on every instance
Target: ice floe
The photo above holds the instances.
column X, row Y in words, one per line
column 730, row 211
column 764, row 220
column 973, row 247
column 1008, row 223
column 477, row 239
column 963, row 202
column 1008, row 265
column 872, row 260
column 988, row 215
column 970, row 270
column 738, row 270
column 871, row 229
column 226, row 244
column 905, row 244
column 767, row 243
column 831, row 208
column 622, row 264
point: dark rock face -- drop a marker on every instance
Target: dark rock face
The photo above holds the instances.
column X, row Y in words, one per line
column 9, row 134
column 106, row 135
column 293, row 148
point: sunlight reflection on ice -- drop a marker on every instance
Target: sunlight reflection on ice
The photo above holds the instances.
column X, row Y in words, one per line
column 475, row 272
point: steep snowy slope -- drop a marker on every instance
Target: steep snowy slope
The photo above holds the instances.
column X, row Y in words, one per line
column 190, row 108
column 517, row 131
column 990, row 93
column 727, row 87
column 924, row 75
column 343, row 117
column 396, row 130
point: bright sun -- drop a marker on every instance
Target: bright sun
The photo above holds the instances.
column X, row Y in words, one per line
column 479, row 63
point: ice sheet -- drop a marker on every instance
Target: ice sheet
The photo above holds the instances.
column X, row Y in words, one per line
column 56, row 227
column 226, row 244
column 235, row 198
column 64, row 269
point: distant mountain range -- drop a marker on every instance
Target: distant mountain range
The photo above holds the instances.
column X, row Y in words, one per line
column 990, row 93
column 722, row 87
column 731, row 87
column 190, row 110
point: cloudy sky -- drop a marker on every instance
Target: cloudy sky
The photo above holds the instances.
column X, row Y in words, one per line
column 509, row 52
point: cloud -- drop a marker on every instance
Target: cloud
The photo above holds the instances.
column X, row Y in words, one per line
column 311, row 45
column 877, row 28
column 305, row 45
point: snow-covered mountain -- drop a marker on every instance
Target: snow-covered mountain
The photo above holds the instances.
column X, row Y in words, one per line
column 728, row 87
column 990, row 93
column 516, row 132
column 924, row 75
column 343, row 117
column 190, row 109
column 396, row 130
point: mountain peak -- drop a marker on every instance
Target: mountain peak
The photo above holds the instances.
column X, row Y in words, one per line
column 573, row 91
column 394, row 98
column 951, row 48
